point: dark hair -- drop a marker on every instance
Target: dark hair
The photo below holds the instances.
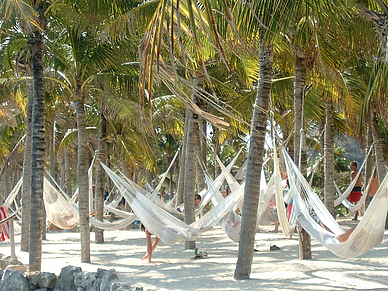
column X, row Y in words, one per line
column 198, row 196
column 354, row 163
column 142, row 227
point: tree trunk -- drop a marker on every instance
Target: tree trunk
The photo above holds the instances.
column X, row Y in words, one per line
column 69, row 188
column 27, row 167
column 254, row 166
column 100, row 173
column 370, row 162
column 37, row 221
column 182, row 162
column 328, row 164
column 201, row 183
column 189, row 191
column 83, row 181
column 217, row 151
column 53, row 163
column 379, row 152
column 300, row 80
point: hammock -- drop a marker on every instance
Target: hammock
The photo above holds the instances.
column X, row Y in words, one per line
column 162, row 224
column 60, row 210
column 312, row 214
column 64, row 213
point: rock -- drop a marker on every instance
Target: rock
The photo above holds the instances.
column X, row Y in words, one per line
column 109, row 277
column 14, row 280
column 16, row 265
column 120, row 286
column 65, row 280
column 42, row 280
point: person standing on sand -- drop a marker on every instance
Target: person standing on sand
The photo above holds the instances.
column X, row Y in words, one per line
column 150, row 246
column 356, row 193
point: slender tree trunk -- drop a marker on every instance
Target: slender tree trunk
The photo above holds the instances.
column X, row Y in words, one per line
column 197, row 153
column 37, row 221
column 217, row 151
column 300, row 77
column 370, row 162
column 379, row 152
column 328, row 164
column 182, row 162
column 53, row 163
column 62, row 179
column 299, row 88
column 69, row 188
column 83, row 181
column 27, row 167
column 254, row 166
column 190, row 175
column 100, row 173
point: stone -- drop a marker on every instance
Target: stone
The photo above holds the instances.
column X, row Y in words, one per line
column 14, row 280
column 65, row 280
column 42, row 280
column 109, row 277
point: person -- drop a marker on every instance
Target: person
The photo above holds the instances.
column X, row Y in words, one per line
column 151, row 246
column 285, row 187
column 163, row 194
column 343, row 237
column 355, row 195
column 122, row 201
column 106, row 195
column 226, row 192
column 198, row 199
column 374, row 185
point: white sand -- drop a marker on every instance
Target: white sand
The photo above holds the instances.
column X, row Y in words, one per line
column 174, row 268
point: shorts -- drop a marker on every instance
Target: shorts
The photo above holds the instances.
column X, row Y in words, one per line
column 355, row 195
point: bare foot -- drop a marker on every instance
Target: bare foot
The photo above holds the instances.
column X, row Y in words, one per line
column 274, row 231
column 145, row 257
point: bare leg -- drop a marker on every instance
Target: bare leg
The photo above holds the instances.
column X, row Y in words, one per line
column 343, row 237
column 150, row 246
column 276, row 229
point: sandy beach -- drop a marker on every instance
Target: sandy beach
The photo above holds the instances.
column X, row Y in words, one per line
column 174, row 268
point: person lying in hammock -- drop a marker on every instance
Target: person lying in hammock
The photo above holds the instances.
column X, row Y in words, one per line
column 342, row 237
column 150, row 246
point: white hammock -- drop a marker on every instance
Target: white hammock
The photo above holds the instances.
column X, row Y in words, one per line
column 64, row 213
column 165, row 226
column 11, row 197
column 60, row 210
column 310, row 210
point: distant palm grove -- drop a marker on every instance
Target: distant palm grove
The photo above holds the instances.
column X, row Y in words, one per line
column 131, row 83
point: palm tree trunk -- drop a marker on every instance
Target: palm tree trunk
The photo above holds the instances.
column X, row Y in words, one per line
column 100, row 173
column 217, row 150
column 300, row 80
column 27, row 167
column 254, row 166
column 328, row 164
column 182, row 162
column 197, row 153
column 37, row 220
column 190, row 175
column 379, row 152
column 52, row 151
column 370, row 162
column 83, row 181
column 68, row 187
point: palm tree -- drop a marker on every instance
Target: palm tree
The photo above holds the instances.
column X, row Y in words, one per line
column 256, row 149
